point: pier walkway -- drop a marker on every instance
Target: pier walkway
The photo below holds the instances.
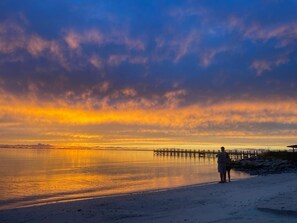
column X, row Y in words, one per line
column 235, row 154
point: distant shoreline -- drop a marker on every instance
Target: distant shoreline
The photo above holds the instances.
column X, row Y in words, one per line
column 48, row 147
column 74, row 148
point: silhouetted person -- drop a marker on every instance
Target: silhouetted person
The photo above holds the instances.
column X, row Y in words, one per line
column 228, row 166
column 222, row 164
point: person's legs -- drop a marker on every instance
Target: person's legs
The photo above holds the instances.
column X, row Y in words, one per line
column 222, row 177
column 229, row 178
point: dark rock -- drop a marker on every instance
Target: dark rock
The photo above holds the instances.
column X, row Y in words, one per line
column 264, row 166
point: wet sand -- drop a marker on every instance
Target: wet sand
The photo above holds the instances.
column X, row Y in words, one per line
column 271, row 198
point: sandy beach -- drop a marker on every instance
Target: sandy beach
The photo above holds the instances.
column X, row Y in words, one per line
column 271, row 198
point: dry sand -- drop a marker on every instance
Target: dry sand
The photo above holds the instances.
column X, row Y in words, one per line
column 271, row 198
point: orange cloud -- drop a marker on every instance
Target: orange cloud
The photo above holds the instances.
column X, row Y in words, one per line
column 132, row 113
column 58, row 123
column 266, row 65
column 74, row 39
column 96, row 61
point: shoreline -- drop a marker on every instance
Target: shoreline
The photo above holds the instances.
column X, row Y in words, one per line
column 69, row 200
column 269, row 198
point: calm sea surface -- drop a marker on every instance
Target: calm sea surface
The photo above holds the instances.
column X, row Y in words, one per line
column 32, row 177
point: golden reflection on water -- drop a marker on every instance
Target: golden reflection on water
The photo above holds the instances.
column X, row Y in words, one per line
column 30, row 177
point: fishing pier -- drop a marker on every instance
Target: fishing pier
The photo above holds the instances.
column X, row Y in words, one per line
column 234, row 154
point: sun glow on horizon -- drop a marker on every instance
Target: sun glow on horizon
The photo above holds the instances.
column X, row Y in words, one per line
column 130, row 125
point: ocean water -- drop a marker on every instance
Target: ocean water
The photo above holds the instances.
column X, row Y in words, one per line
column 34, row 177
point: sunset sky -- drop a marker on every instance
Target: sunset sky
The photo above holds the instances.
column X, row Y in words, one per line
column 158, row 73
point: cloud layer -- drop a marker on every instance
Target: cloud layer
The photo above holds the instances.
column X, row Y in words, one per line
column 162, row 68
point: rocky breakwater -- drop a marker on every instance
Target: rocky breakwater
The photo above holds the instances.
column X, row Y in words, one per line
column 264, row 166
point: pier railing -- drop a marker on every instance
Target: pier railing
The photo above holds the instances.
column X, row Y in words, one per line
column 235, row 154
